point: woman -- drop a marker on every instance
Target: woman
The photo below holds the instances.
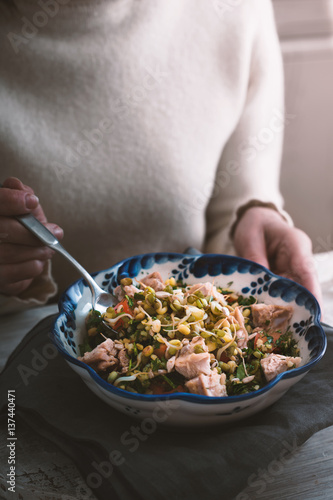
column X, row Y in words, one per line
column 142, row 126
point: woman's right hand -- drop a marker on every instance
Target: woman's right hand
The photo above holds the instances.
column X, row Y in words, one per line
column 22, row 255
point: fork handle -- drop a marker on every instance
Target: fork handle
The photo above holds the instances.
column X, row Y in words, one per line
column 45, row 236
column 39, row 230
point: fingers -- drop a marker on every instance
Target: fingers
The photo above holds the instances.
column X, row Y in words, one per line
column 15, row 183
column 15, row 202
column 293, row 259
column 22, row 255
column 251, row 244
column 15, row 273
column 307, row 278
column 11, row 231
column 301, row 266
column 15, row 288
column 14, row 254
column 262, row 236
column 18, row 199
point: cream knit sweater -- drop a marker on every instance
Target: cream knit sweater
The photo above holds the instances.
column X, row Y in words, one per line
column 141, row 124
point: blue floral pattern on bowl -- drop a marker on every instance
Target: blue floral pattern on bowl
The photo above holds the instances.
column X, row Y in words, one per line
column 258, row 286
column 302, row 327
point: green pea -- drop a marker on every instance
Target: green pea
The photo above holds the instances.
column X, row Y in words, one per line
column 151, row 298
column 112, row 377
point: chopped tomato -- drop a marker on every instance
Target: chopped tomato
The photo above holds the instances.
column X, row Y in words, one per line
column 125, row 308
column 160, row 352
column 261, row 335
column 125, row 305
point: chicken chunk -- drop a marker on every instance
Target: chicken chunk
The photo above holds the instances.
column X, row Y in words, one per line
column 102, row 358
column 241, row 334
column 208, row 385
column 191, row 362
column 129, row 290
column 123, row 360
column 171, row 364
column 276, row 363
column 271, row 317
column 155, row 281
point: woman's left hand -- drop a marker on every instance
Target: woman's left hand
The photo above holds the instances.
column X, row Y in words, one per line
column 263, row 236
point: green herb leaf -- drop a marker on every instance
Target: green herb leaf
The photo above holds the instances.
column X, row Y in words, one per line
column 85, row 347
column 169, row 381
column 246, row 301
column 129, row 300
column 240, row 372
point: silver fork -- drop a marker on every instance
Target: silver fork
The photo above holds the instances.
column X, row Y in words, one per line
column 101, row 300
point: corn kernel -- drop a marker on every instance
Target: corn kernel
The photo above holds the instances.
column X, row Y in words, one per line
column 92, row 331
column 139, row 346
column 148, row 351
column 227, row 338
column 153, row 357
column 140, row 316
column 175, row 342
column 246, row 313
column 211, row 345
column 184, row 329
column 196, row 313
column 171, row 282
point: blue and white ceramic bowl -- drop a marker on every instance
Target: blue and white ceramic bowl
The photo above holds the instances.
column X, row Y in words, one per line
column 191, row 409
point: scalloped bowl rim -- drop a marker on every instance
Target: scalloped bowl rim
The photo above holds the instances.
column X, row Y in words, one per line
column 184, row 396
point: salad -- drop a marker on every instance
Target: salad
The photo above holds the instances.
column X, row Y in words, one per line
column 167, row 336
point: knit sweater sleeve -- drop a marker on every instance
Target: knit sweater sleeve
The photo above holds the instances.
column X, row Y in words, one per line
column 250, row 163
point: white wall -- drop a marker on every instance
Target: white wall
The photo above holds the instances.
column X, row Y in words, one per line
column 306, row 33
